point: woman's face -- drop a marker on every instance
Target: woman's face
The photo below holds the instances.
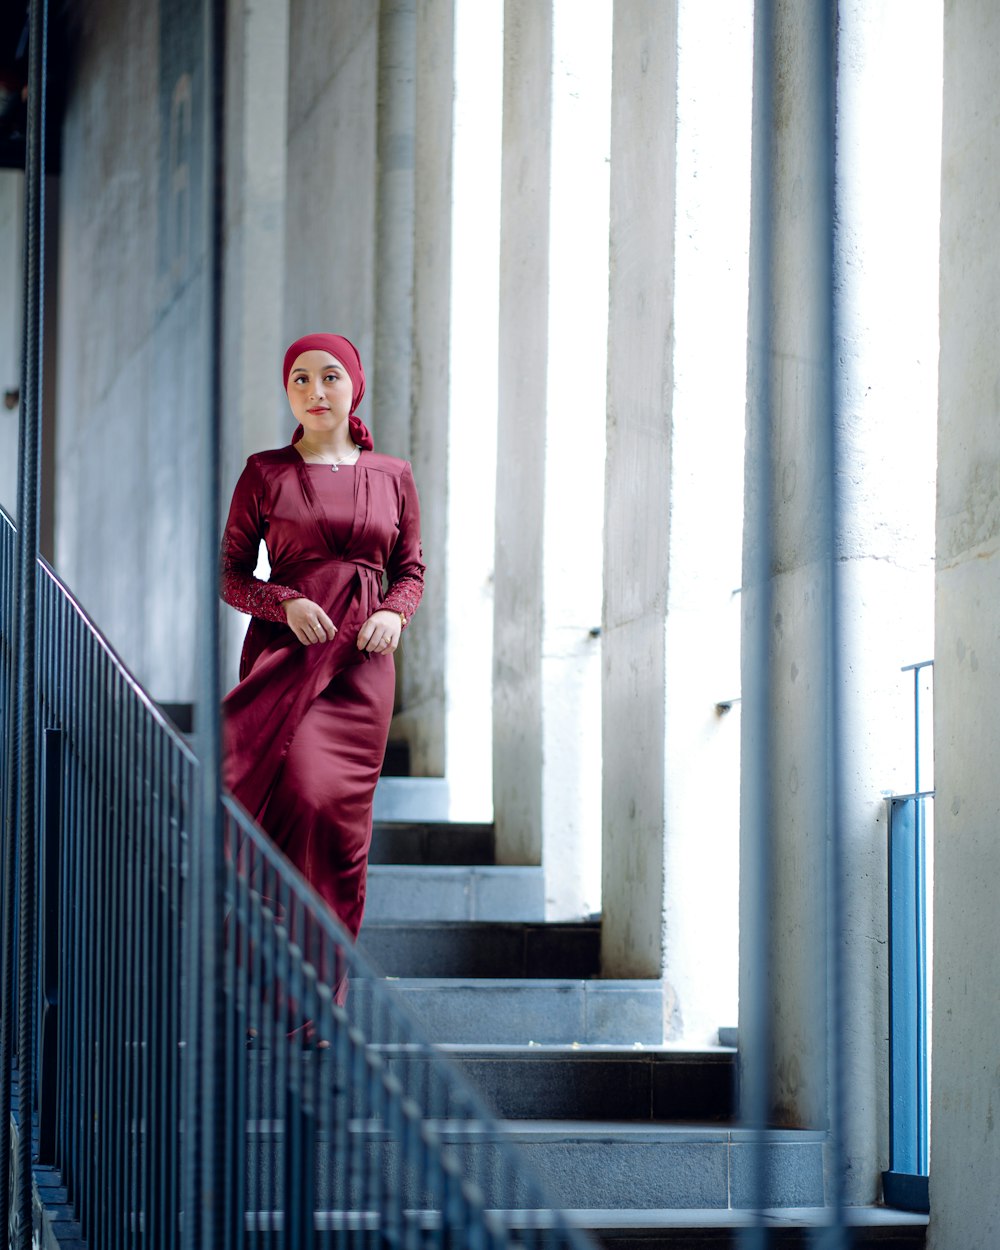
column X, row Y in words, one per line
column 319, row 392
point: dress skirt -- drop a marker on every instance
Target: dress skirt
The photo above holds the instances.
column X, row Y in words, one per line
column 319, row 813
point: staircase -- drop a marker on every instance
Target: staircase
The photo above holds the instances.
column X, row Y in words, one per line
column 635, row 1139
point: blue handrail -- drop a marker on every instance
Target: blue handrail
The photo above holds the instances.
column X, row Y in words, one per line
column 340, row 1118
column 910, row 826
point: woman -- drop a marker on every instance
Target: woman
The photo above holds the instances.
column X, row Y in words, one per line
column 306, row 728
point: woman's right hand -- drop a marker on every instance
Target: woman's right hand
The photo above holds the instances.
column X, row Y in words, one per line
column 308, row 622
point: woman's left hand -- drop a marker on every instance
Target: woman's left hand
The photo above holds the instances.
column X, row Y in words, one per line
column 380, row 633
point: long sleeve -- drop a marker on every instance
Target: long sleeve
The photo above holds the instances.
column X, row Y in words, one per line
column 405, row 567
column 245, row 527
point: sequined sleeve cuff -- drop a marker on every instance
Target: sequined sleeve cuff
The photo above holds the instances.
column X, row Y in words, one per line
column 403, row 596
column 249, row 594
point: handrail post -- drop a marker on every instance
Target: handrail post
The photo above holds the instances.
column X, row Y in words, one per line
column 208, row 1170
column 24, row 826
column 50, row 943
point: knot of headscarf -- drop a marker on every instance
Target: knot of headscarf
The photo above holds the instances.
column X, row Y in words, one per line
column 345, row 351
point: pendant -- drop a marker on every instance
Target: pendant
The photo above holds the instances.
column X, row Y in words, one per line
column 335, row 467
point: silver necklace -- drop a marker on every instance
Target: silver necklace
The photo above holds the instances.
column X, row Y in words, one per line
column 334, row 464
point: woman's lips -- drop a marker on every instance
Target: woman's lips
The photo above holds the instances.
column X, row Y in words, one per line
column 319, row 409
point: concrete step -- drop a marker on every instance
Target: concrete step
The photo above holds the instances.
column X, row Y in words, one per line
column 468, row 948
column 585, row 1083
column 508, row 1011
column 612, row 1165
column 412, row 798
column 432, row 842
column 602, row 1082
column 578, row 1165
column 417, row 892
column 791, row 1228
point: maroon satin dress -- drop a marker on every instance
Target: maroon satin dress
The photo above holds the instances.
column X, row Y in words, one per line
column 305, row 730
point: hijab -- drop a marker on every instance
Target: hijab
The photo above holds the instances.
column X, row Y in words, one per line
column 345, row 351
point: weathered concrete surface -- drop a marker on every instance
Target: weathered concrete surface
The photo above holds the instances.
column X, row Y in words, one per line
column 253, row 329
column 256, row 116
column 331, row 172
column 131, row 310
column 636, row 510
column 888, row 177
column 421, row 720
column 965, row 1146
column 524, row 242
column 884, row 346
column 391, row 366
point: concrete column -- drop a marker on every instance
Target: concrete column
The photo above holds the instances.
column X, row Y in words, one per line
column 256, row 116
column 422, row 718
column 391, row 368
column 131, row 345
column 636, row 509
column 253, row 326
column 524, row 243
column 965, row 1141
column 884, row 350
column 330, row 206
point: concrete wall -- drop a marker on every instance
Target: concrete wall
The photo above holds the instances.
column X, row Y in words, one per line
column 888, row 163
column 884, row 273
column 131, row 311
column 965, row 1143
column 392, row 359
column 331, row 173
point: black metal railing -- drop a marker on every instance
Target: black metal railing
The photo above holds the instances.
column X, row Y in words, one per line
column 343, row 1126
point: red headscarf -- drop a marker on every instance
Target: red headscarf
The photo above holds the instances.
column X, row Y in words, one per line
column 345, row 351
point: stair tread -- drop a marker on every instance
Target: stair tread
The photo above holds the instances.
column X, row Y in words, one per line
column 549, row 926
column 736, row 1217
column 454, row 870
column 407, row 892
column 630, row 1130
column 660, row 1217
column 534, row 1009
column 555, row 1050
column 532, row 983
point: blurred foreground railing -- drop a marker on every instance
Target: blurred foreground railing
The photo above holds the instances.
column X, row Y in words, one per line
column 910, row 838
column 343, row 1125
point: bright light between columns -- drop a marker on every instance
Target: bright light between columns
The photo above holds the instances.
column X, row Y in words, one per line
column 574, row 455
column 475, row 267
